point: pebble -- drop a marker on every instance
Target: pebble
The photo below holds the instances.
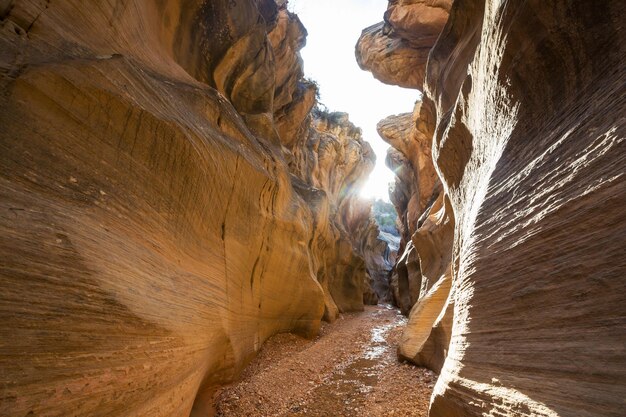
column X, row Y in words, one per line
column 286, row 385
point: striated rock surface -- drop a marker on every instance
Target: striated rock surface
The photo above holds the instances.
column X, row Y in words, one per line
column 425, row 226
column 378, row 249
column 331, row 165
column 167, row 202
column 427, row 336
column 386, row 242
column 538, row 195
column 522, row 254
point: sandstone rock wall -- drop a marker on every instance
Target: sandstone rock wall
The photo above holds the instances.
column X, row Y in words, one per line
column 332, row 162
column 396, row 50
column 415, row 194
column 523, row 109
column 154, row 226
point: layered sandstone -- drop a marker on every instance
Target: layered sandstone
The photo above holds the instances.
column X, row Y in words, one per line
column 155, row 225
column 332, row 162
column 523, row 104
column 396, row 50
column 418, row 198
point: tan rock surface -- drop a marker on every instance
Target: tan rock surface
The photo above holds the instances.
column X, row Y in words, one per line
column 427, row 335
column 537, row 194
column 379, row 260
column 396, row 50
column 403, row 133
column 427, row 314
column 375, row 45
column 526, row 109
column 153, row 228
column 333, row 162
column 426, row 227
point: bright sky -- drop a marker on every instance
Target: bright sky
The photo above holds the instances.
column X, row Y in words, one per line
column 334, row 26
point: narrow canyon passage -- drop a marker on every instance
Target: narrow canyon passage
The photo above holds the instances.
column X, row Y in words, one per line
column 350, row 369
column 183, row 230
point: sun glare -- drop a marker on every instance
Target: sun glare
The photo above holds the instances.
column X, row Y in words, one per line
column 334, row 28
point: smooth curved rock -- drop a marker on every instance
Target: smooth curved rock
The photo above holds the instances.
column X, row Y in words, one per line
column 155, row 227
column 536, row 190
column 396, row 50
column 337, row 160
column 400, row 67
column 128, row 274
column 427, row 335
column 416, row 193
column 418, row 183
column 525, row 109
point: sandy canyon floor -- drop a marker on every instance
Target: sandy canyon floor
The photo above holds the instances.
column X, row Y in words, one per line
column 349, row 370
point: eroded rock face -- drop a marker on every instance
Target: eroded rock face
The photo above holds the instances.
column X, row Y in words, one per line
column 525, row 111
column 378, row 249
column 427, row 336
column 155, row 227
column 396, row 50
column 425, row 226
column 332, row 162
column 537, row 194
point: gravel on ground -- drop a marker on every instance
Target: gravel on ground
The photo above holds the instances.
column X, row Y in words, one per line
column 350, row 369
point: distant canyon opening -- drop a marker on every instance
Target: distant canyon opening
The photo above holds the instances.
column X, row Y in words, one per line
column 187, row 227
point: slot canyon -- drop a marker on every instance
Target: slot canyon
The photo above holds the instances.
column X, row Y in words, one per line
column 182, row 231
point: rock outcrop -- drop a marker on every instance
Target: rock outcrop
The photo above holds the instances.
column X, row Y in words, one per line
column 520, row 250
column 168, row 201
column 419, row 200
column 396, row 50
column 331, row 164
column 378, row 249
column 414, row 194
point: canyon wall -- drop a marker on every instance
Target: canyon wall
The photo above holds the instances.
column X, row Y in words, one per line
column 168, row 201
column 513, row 257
